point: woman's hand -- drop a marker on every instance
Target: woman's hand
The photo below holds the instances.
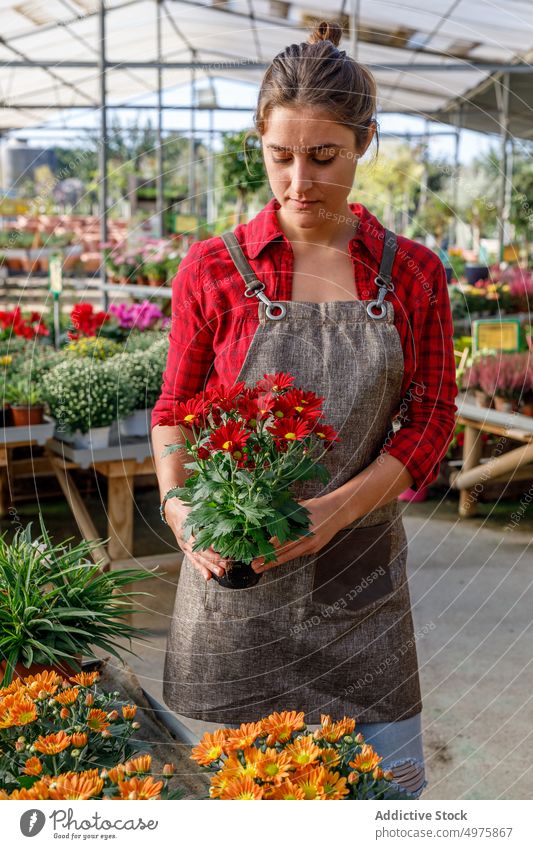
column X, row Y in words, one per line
column 206, row 562
column 325, row 521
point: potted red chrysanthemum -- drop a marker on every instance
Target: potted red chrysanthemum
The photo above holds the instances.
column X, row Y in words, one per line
column 251, row 444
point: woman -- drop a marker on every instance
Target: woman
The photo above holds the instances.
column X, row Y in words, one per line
column 362, row 318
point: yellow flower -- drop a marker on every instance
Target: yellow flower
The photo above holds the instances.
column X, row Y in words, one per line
column 52, row 744
column 280, row 726
column 68, row 696
column 242, row 788
column 33, row 766
column 210, row 748
column 241, row 738
column 366, row 760
column 6, row 360
column 140, row 788
column 85, row 679
column 329, row 756
column 334, row 786
column 304, row 750
column 274, row 766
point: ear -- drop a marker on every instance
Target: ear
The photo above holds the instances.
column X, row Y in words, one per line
column 371, row 132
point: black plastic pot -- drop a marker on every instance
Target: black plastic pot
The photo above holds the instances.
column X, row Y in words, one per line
column 239, row 576
column 473, row 273
column 5, row 416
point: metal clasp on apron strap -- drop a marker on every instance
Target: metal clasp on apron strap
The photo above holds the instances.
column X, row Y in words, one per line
column 254, row 287
column 383, row 280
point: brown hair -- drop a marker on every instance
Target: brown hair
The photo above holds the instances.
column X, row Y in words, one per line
column 317, row 73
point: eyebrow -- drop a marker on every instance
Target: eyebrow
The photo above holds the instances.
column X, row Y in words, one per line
column 315, row 147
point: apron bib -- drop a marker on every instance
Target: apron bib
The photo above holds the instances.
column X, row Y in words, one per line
column 330, row 632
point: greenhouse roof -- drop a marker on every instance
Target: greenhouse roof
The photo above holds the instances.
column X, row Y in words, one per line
column 426, row 54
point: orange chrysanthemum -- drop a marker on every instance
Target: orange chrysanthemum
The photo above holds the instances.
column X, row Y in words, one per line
column 210, row 748
column 140, row 788
column 141, row 763
column 117, row 773
column 81, row 785
column 52, row 744
column 79, row 739
column 97, row 719
column 49, row 681
column 329, row 756
column 14, row 687
column 366, row 760
column 334, row 785
column 129, row 711
column 39, row 790
column 243, row 737
column 235, row 768
column 312, row 783
column 333, row 731
column 23, row 710
column 219, row 783
column 85, row 679
column 304, row 750
column 68, row 696
column 287, row 790
column 33, row 766
column 280, row 726
column 274, row 766
column 242, row 788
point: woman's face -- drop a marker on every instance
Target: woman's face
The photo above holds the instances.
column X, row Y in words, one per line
column 309, row 157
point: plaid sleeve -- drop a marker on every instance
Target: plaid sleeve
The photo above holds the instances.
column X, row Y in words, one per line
column 190, row 353
column 428, row 409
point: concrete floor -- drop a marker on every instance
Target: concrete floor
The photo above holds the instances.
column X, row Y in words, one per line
column 472, row 596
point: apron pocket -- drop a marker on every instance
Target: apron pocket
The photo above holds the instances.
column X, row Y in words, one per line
column 353, row 570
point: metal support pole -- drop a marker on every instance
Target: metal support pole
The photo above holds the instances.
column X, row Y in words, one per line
column 502, row 96
column 102, row 150
column 160, row 198
column 456, row 175
column 192, row 168
column 211, row 211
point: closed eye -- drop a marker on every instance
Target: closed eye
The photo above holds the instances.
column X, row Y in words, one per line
column 318, row 161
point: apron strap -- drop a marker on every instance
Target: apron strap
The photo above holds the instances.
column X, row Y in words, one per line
column 390, row 244
column 253, row 284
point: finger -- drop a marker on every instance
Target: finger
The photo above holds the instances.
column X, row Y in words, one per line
column 204, row 562
column 203, row 571
column 259, row 565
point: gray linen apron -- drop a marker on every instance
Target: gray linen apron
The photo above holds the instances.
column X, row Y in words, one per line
column 330, row 632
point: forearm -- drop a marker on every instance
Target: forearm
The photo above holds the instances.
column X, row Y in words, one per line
column 382, row 481
column 170, row 469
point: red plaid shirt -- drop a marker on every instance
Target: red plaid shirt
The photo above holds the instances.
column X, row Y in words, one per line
column 213, row 325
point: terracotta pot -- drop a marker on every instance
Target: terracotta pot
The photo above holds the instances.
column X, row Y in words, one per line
column 239, row 576
column 22, row 671
column 153, row 281
column 526, row 409
column 24, row 415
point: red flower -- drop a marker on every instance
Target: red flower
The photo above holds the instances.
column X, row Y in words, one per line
column 291, row 429
column 229, row 437
column 275, row 382
column 298, row 403
column 248, row 409
column 86, row 321
column 325, row 432
column 188, row 413
column 203, row 453
column 224, row 398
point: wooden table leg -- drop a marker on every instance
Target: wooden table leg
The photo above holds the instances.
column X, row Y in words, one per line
column 472, row 450
column 79, row 510
column 4, row 483
column 120, row 481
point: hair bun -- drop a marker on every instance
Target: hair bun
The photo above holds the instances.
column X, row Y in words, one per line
column 326, row 31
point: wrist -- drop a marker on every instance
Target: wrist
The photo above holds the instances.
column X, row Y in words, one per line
column 342, row 508
column 164, row 503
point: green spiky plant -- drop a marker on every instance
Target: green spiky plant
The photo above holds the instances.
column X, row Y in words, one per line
column 56, row 603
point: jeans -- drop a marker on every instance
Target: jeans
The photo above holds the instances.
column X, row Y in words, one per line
column 400, row 745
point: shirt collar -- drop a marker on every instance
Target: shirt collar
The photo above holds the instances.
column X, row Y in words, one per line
column 264, row 228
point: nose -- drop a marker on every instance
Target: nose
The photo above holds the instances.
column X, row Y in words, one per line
column 301, row 181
